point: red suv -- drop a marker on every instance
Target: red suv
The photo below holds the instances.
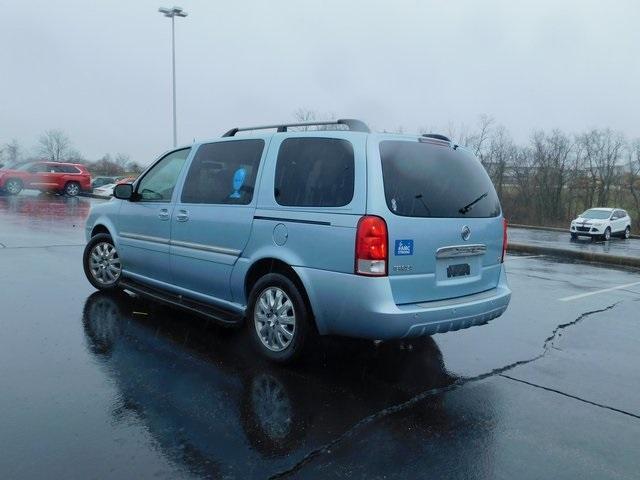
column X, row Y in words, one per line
column 67, row 178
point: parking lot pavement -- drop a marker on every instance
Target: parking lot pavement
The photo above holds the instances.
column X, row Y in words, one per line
column 555, row 239
column 97, row 385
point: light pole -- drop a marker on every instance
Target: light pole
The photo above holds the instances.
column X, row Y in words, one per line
column 172, row 13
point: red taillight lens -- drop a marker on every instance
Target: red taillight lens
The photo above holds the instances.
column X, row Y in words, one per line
column 372, row 246
column 504, row 238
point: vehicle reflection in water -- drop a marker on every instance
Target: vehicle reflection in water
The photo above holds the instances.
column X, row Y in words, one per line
column 217, row 409
column 44, row 209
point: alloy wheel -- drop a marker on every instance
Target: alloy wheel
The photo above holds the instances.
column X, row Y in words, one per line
column 73, row 189
column 104, row 264
column 13, row 187
column 274, row 319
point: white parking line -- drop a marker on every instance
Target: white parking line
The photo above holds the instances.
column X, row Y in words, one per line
column 596, row 292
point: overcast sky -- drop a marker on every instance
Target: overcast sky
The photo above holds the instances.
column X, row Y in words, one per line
column 102, row 72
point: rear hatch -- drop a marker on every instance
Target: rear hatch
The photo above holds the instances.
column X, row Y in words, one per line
column 443, row 217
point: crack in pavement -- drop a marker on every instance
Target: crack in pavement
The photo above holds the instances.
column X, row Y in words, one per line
column 560, row 392
column 547, row 345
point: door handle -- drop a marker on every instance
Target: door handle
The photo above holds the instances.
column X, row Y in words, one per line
column 163, row 214
column 182, row 216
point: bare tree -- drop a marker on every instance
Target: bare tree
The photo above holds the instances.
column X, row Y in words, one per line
column 302, row 115
column 12, row 152
column 600, row 152
column 54, row 145
column 633, row 174
column 551, row 159
column 122, row 159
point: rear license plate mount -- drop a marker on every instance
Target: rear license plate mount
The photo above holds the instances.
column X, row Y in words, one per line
column 458, row 270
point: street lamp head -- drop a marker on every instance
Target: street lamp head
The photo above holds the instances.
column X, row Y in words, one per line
column 172, row 12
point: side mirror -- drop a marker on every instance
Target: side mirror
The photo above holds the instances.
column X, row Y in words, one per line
column 123, row 191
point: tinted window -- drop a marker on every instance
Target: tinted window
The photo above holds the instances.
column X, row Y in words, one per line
column 38, row 168
column 314, row 172
column 223, row 173
column 68, row 169
column 421, row 180
column 158, row 183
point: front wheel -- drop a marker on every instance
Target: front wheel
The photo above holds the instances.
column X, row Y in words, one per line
column 574, row 236
column 607, row 234
column 101, row 262
column 278, row 318
column 72, row 189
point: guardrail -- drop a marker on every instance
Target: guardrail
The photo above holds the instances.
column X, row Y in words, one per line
column 552, row 229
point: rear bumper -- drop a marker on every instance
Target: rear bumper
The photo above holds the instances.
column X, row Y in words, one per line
column 363, row 307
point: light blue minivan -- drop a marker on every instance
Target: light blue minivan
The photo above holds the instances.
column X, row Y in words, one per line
column 316, row 228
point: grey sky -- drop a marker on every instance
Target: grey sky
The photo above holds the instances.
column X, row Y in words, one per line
column 102, row 72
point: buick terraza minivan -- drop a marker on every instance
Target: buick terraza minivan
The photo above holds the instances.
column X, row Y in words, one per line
column 299, row 233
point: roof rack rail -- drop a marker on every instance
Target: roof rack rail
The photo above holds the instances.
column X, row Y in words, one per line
column 352, row 124
column 437, row 136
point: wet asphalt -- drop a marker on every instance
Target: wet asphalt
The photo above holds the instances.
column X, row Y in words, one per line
column 550, row 238
column 96, row 385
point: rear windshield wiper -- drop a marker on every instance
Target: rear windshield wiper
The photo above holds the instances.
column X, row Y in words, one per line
column 469, row 206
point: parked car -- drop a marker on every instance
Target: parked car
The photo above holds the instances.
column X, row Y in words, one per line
column 65, row 178
column 101, row 181
column 377, row 236
column 602, row 223
column 105, row 190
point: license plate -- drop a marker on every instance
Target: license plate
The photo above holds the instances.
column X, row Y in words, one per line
column 458, row 270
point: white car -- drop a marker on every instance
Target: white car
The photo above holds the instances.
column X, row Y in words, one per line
column 105, row 190
column 602, row 223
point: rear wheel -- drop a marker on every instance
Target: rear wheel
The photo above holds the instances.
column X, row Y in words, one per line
column 627, row 233
column 607, row 234
column 72, row 189
column 101, row 262
column 13, row 186
column 278, row 318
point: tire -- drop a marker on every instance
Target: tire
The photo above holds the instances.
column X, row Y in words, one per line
column 13, row 186
column 268, row 329
column 71, row 189
column 607, row 234
column 101, row 262
column 574, row 236
column 627, row 233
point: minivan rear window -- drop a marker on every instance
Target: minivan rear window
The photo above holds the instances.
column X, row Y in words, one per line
column 422, row 180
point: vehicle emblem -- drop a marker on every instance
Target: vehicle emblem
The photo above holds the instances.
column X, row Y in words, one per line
column 466, row 232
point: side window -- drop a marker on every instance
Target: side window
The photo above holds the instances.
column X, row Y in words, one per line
column 314, row 172
column 223, row 173
column 158, row 183
column 38, row 168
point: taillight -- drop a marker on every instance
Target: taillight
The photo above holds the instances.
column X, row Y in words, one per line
column 504, row 238
column 372, row 246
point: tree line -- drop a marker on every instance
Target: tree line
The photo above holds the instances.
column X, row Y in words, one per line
column 555, row 175
column 56, row 146
column 547, row 180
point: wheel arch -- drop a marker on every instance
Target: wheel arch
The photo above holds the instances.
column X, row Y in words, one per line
column 266, row 265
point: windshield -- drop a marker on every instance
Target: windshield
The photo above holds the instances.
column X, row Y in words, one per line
column 421, row 180
column 596, row 214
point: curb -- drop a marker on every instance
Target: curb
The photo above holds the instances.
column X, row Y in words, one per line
column 605, row 258
column 552, row 229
